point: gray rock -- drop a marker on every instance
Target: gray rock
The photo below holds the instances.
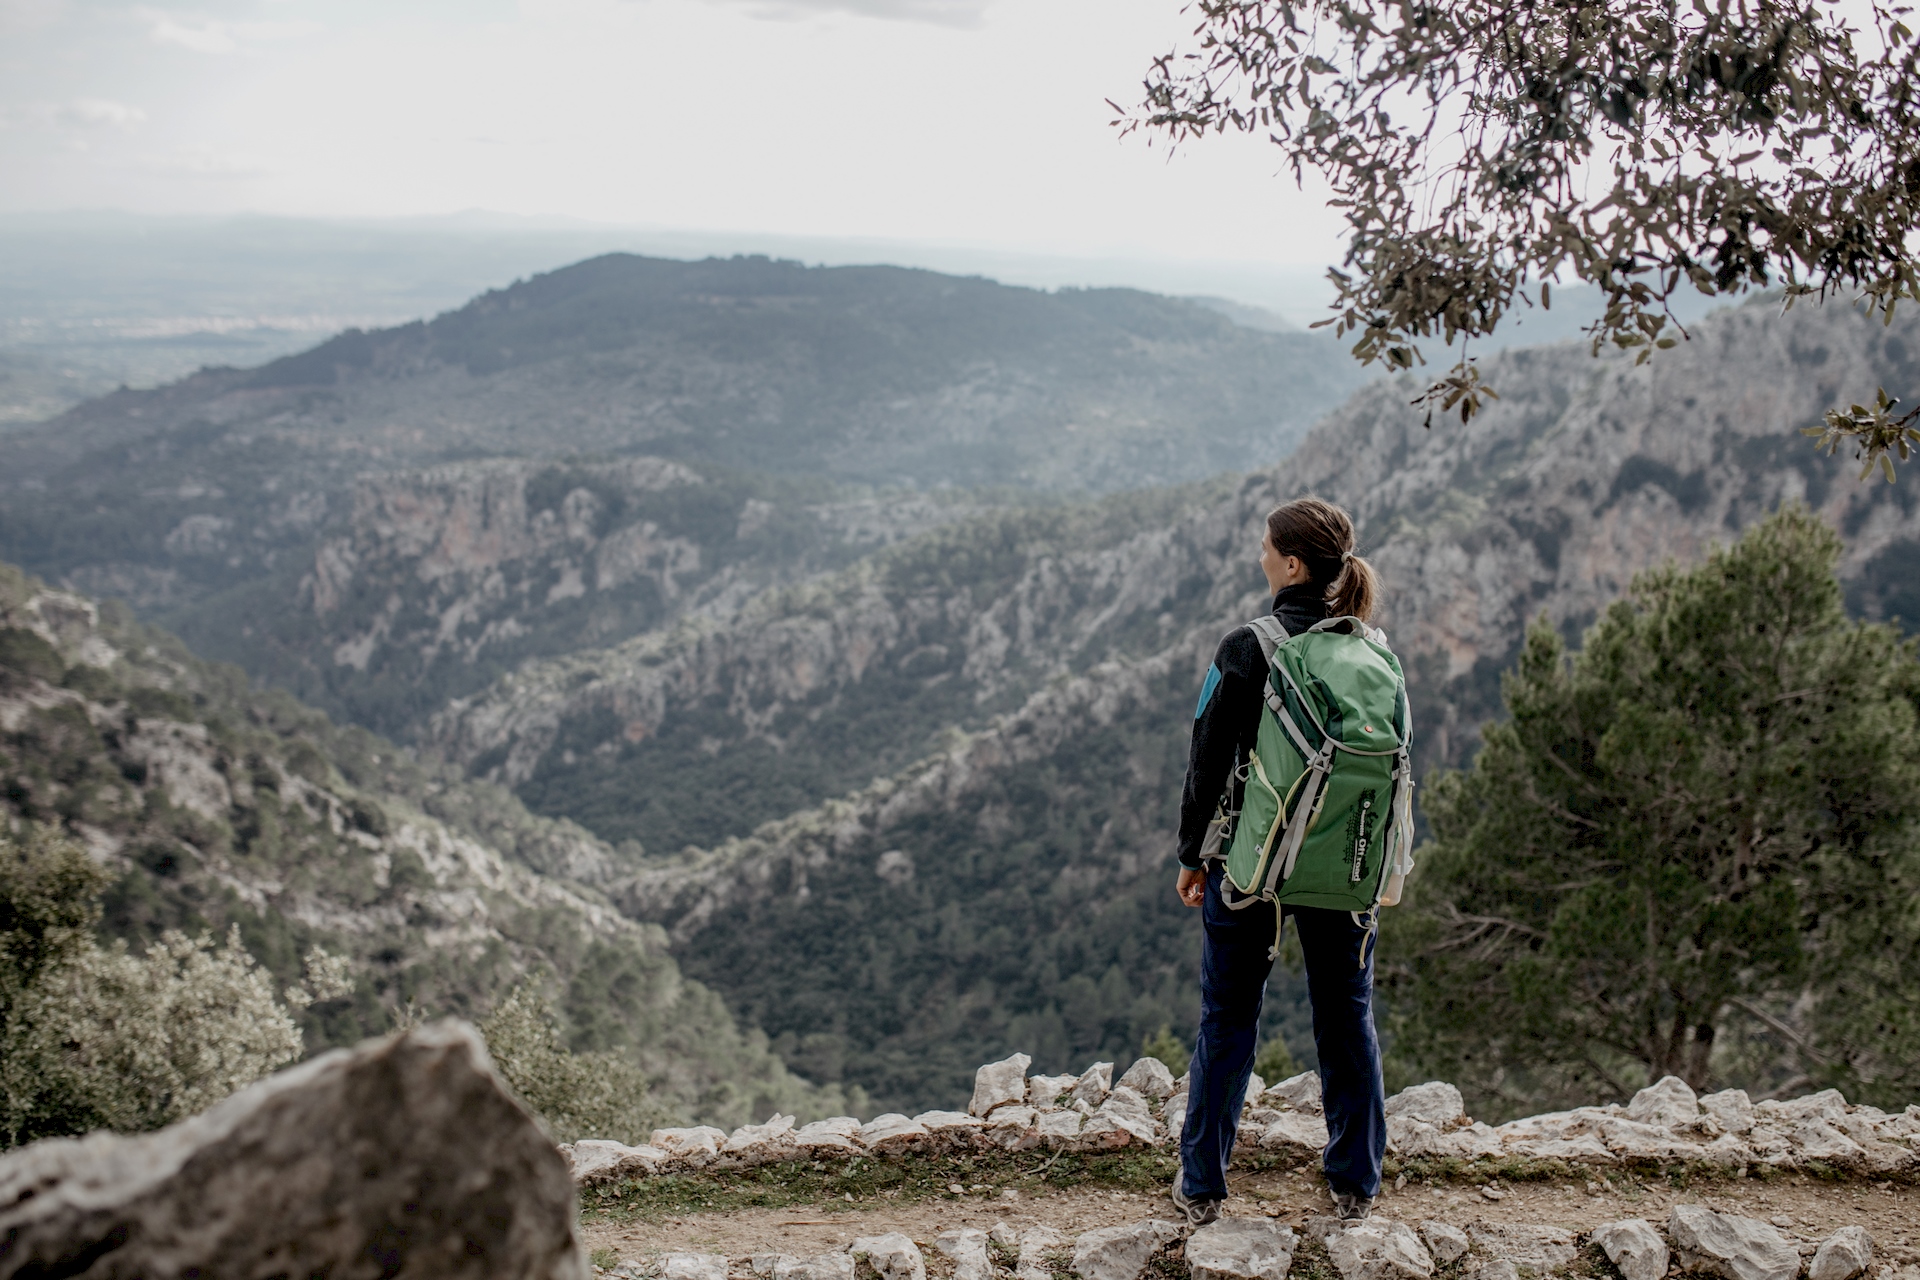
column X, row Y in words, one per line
column 1173, row 1115
column 1447, row 1244
column 765, row 1264
column 1045, row 1091
column 1293, row 1129
column 967, row 1246
column 1843, row 1255
column 1095, row 1083
column 1240, row 1248
column 1378, row 1249
column 998, row 1083
column 1120, row 1253
column 1004, row 1236
column 693, row 1266
column 695, row 1146
column 1434, row 1103
column 762, row 1143
column 1298, row 1093
column 1036, row 1245
column 597, row 1160
column 1060, row 1129
column 1496, row 1269
column 1635, row 1247
column 892, row 1256
column 1013, row 1128
column 1731, row 1109
column 1124, row 1111
column 1668, row 1101
column 1724, row 1245
column 825, row 1266
column 1149, row 1078
column 1537, row 1248
column 892, row 1134
column 837, row 1134
column 950, row 1130
column 404, row 1154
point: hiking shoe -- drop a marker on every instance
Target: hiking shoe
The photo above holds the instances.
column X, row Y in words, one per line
column 1198, row 1213
column 1352, row 1208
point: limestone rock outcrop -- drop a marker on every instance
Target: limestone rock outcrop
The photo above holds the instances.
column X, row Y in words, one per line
column 405, row 1155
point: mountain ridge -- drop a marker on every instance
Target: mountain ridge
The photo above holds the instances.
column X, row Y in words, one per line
column 1585, row 472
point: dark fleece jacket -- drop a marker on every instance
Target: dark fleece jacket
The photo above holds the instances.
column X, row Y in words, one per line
column 1227, row 720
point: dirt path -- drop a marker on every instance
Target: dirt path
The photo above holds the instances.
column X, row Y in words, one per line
column 1804, row 1209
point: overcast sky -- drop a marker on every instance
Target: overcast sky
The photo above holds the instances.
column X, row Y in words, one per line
column 971, row 121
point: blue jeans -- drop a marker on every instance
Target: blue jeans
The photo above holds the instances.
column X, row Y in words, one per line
column 1233, row 982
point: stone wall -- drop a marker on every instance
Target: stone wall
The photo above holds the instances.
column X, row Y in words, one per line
column 1661, row 1127
column 1012, row 1111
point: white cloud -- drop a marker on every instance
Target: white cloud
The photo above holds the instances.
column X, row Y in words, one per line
column 211, row 35
column 21, row 16
column 946, row 13
column 201, row 160
column 77, row 114
column 96, row 113
column 207, row 37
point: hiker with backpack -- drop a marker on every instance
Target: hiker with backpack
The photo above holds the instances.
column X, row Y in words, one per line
column 1298, row 805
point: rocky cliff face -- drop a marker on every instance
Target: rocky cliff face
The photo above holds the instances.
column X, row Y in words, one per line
column 1059, row 664
column 1584, row 472
column 445, row 577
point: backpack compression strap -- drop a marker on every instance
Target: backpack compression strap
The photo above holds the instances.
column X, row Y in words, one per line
column 1269, row 632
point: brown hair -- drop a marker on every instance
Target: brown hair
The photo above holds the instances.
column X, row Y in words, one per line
column 1321, row 535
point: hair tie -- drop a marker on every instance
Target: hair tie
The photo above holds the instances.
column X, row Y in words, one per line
column 1345, row 556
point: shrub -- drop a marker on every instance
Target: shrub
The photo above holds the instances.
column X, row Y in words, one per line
column 94, row 1037
column 1274, row 1062
column 577, row 1095
column 118, row 1041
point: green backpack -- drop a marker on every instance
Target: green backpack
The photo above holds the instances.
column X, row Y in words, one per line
column 1326, row 811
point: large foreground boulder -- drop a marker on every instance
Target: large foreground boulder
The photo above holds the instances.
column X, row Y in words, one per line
column 404, row 1156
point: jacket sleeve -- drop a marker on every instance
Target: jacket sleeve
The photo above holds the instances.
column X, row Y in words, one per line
column 1225, row 722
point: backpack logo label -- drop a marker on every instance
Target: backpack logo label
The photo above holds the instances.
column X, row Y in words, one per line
column 1360, row 833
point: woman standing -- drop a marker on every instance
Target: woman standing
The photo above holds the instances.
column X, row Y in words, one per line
column 1307, row 554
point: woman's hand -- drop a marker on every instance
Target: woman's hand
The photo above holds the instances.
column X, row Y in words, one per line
column 1193, row 885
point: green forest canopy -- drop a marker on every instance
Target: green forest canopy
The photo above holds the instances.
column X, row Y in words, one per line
column 1692, row 849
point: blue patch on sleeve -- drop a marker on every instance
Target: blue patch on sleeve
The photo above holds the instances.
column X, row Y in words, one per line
column 1206, row 691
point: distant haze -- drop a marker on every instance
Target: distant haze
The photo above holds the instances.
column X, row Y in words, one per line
column 89, row 302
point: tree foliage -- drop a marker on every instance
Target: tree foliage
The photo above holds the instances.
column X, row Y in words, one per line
column 1691, row 850
column 1479, row 146
column 579, row 1095
column 94, row 1037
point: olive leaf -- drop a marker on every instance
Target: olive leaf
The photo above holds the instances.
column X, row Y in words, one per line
column 1477, row 146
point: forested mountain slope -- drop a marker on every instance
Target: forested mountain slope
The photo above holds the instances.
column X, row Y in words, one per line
column 216, row 805
column 1011, row 892
column 397, row 517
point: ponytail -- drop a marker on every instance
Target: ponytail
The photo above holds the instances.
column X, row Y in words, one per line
column 1321, row 535
column 1355, row 591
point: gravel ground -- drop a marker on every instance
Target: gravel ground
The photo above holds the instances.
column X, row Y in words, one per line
column 1803, row 1208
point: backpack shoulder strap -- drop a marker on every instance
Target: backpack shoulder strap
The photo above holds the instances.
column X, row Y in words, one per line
column 1354, row 626
column 1270, row 632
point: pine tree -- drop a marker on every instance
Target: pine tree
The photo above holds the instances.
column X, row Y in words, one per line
column 1690, row 850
